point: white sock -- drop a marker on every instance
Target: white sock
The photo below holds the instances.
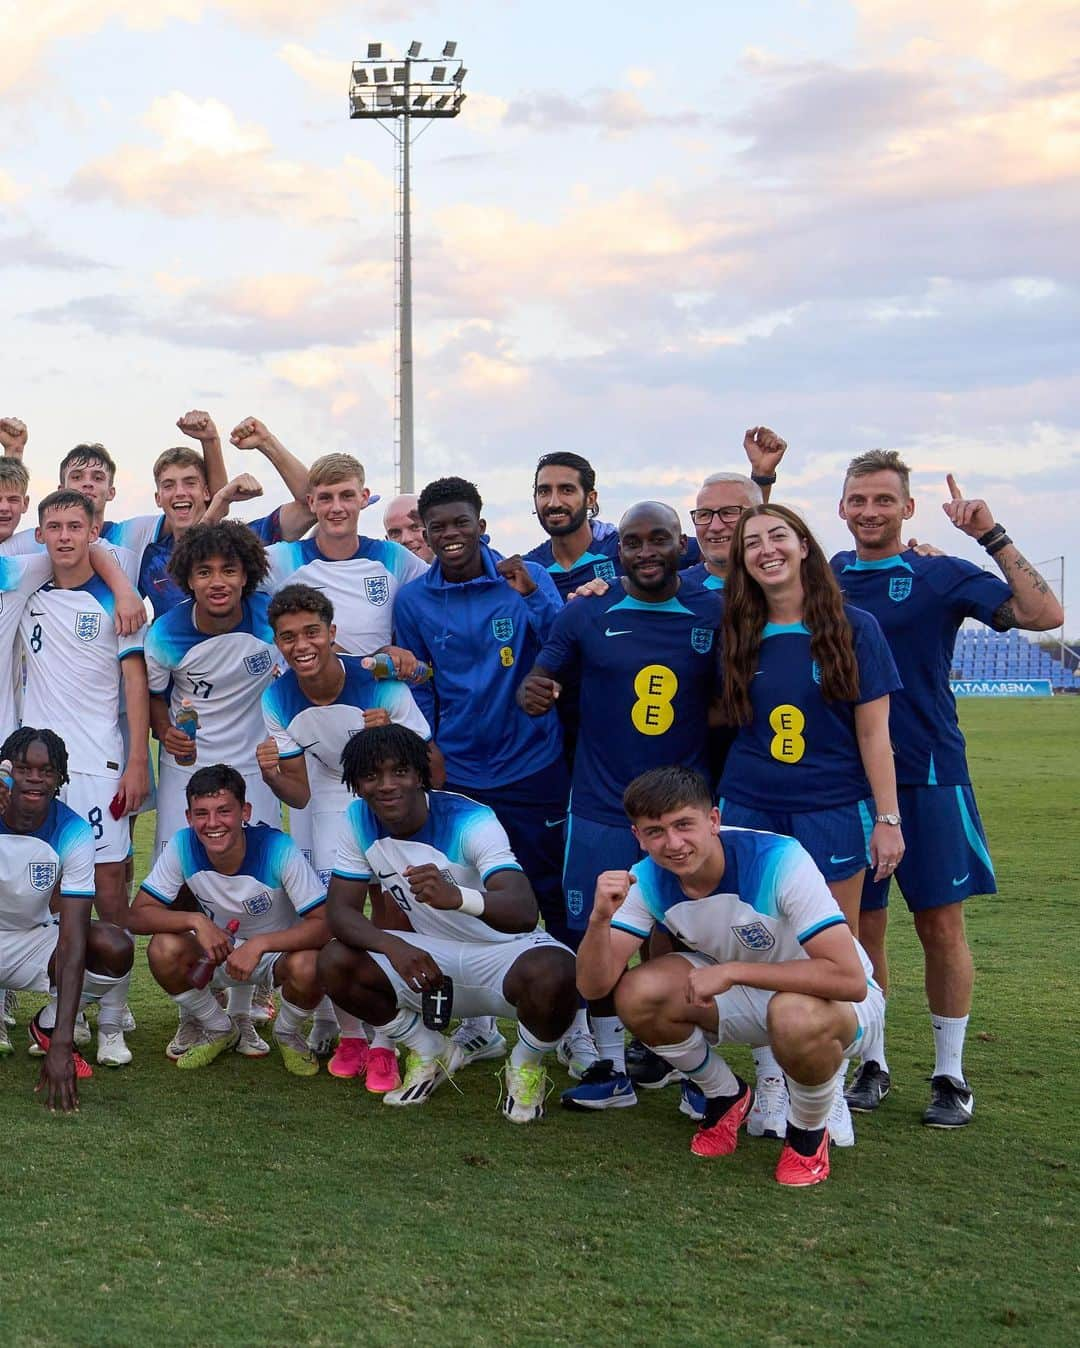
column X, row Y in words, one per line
column 377, row 1038
column 46, row 1017
column 240, row 999
column 407, row 1028
column 290, row 1017
column 949, row 1034
column 610, row 1040
column 872, row 1047
column 809, row 1106
column 695, row 1059
column 352, row 1027
column 201, row 1004
column 766, row 1064
column 325, row 1011
column 530, row 1048
column 484, row 1025
column 113, row 1001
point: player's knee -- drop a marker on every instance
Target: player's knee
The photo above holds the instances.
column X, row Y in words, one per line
column 797, row 1025
column 109, row 950
column 643, row 993
column 942, row 928
column 543, row 980
column 340, row 969
column 301, row 972
column 167, row 952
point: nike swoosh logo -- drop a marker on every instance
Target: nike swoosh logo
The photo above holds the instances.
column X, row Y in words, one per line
column 35, row 614
column 839, row 861
column 388, row 876
column 553, row 823
column 962, row 879
column 609, row 633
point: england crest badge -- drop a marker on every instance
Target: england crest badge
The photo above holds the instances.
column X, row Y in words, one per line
column 377, row 590
column 701, row 639
column 899, row 588
column 755, row 936
column 42, row 874
column 87, row 626
column 575, row 902
column 258, row 663
column 502, row 628
column 604, row 571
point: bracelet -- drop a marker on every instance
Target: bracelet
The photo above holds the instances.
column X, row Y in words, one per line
column 996, row 546
column 762, row 480
column 995, row 531
column 472, row 902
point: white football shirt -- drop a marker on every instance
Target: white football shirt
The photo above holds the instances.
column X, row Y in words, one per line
column 31, row 864
column 20, row 576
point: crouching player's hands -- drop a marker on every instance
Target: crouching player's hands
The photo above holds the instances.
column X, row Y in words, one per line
column 415, row 967
column 57, row 1080
column 702, row 985
column 429, row 885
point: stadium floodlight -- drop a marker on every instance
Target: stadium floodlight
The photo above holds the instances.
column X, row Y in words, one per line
column 413, row 88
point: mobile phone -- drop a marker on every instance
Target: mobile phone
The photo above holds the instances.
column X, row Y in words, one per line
column 437, row 1004
column 116, row 806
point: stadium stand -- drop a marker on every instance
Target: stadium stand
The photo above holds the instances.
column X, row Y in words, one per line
column 982, row 654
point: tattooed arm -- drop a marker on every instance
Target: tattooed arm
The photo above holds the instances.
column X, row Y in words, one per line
column 1033, row 606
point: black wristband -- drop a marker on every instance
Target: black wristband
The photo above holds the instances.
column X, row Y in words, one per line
column 762, row 480
column 1002, row 541
column 995, row 531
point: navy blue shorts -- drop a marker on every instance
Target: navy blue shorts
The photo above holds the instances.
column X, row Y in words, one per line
column 838, row 839
column 533, row 812
column 947, row 858
column 590, row 849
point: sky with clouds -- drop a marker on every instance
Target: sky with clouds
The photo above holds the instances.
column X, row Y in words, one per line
column 855, row 221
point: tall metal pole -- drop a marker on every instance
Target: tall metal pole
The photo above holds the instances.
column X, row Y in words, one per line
column 405, row 373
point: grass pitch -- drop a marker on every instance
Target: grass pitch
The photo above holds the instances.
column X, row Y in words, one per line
column 239, row 1206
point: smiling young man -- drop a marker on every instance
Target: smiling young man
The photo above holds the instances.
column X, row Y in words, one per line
column 47, row 853
column 644, row 656
column 255, row 875
column 310, row 713
column 361, row 576
column 447, row 864
column 77, row 670
column 765, row 957
column 920, row 602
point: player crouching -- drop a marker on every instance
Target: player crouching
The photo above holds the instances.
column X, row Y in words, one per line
column 472, row 916
column 256, row 876
column 765, row 958
column 47, row 850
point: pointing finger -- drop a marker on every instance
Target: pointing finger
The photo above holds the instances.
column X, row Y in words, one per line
column 954, row 490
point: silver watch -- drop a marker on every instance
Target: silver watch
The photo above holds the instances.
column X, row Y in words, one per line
column 893, row 819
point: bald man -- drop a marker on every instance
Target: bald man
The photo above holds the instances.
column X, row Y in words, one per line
column 644, row 654
column 401, row 520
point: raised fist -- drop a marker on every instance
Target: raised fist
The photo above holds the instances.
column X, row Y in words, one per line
column 249, row 434
column 199, row 425
column 764, row 449
column 13, row 436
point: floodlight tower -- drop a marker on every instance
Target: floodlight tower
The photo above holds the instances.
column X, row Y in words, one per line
column 396, row 92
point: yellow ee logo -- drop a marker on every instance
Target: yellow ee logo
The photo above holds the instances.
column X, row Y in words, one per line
column 506, row 656
column 652, row 713
column 788, row 723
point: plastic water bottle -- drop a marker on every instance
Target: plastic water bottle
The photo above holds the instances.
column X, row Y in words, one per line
column 5, row 774
column 383, row 668
column 187, row 720
column 203, row 969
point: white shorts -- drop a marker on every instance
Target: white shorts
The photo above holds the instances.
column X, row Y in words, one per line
column 300, row 832
column 478, row 968
column 262, row 973
column 172, row 801
column 90, row 797
column 743, row 1011
column 325, row 832
column 25, row 956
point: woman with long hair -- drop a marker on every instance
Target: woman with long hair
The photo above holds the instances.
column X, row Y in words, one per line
column 806, row 679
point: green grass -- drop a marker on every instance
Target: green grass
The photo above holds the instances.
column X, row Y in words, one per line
column 239, row 1206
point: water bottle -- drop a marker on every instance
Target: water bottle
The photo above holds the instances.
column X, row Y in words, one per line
column 187, row 720
column 203, row 969
column 382, row 667
column 5, row 774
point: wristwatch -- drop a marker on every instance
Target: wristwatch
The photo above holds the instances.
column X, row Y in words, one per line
column 893, row 819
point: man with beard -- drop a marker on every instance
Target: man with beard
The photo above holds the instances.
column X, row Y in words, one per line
column 644, row 656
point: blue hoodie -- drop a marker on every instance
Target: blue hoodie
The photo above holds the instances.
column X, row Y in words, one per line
column 482, row 638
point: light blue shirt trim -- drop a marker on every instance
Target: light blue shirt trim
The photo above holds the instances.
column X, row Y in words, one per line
column 784, row 630
column 665, row 606
column 883, row 564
